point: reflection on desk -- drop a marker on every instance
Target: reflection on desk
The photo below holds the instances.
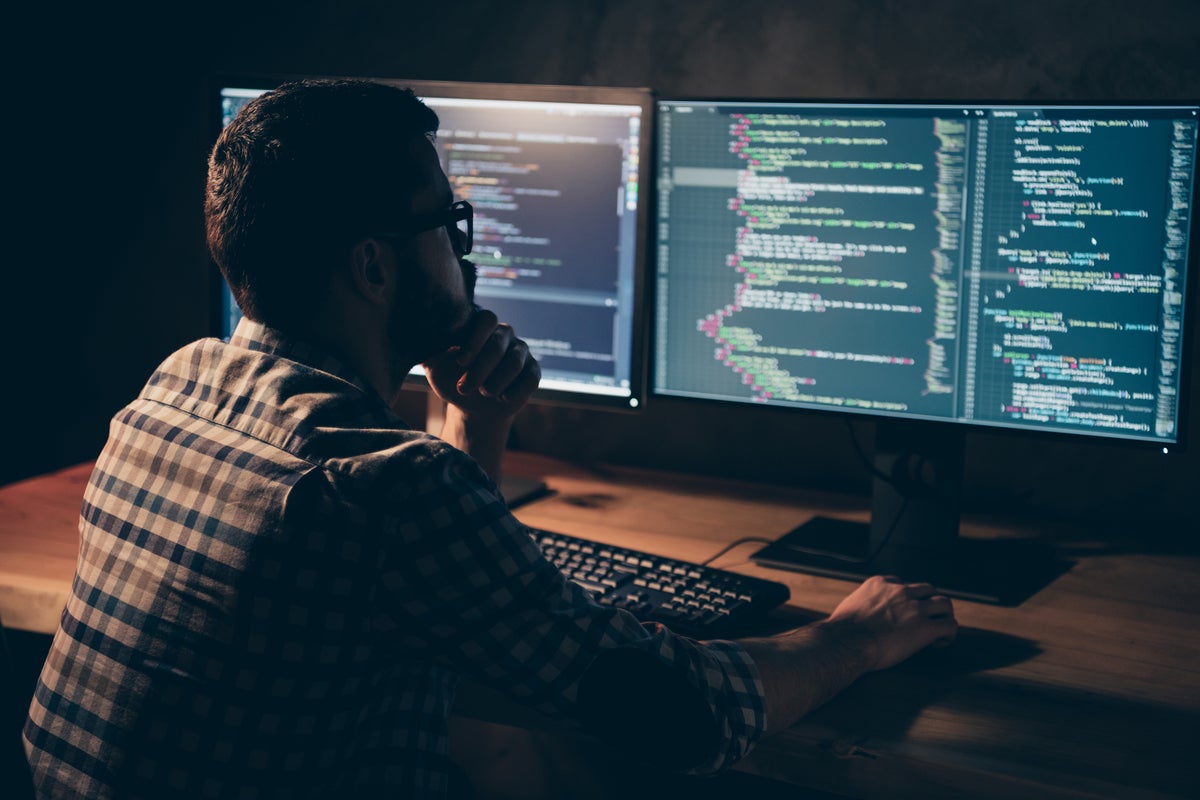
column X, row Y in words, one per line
column 1089, row 688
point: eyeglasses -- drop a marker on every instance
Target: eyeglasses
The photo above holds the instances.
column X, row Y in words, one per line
column 458, row 220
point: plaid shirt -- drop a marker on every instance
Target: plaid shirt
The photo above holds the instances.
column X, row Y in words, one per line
column 279, row 585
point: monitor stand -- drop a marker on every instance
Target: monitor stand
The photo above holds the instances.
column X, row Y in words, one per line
column 517, row 489
column 914, row 529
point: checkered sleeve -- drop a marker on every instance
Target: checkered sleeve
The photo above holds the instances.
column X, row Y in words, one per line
column 466, row 583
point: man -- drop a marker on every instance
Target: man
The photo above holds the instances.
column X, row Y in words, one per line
column 280, row 584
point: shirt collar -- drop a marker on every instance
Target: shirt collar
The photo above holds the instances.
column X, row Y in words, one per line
column 261, row 338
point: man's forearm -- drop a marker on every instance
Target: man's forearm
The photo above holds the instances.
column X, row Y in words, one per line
column 804, row 668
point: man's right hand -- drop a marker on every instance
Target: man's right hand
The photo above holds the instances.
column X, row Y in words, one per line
column 891, row 620
column 877, row 626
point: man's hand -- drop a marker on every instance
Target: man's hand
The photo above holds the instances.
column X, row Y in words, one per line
column 879, row 624
column 485, row 381
column 490, row 375
column 891, row 620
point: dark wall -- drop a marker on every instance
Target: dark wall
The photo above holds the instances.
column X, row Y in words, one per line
column 108, row 140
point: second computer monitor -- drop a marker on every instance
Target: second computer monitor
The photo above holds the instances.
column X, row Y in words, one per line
column 555, row 175
column 982, row 264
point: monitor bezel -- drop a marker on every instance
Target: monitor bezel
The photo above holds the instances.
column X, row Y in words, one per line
column 643, row 97
column 1189, row 381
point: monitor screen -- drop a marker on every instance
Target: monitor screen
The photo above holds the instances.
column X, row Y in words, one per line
column 1018, row 266
column 938, row 268
column 554, row 174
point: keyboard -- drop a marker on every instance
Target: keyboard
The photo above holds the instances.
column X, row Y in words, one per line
column 692, row 600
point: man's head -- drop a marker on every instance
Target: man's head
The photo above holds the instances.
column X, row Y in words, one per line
column 309, row 171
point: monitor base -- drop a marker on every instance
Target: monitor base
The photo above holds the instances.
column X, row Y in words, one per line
column 995, row 571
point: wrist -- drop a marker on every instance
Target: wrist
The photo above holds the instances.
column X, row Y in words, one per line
column 477, row 426
column 484, row 437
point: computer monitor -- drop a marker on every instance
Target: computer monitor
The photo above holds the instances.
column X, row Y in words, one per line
column 936, row 268
column 554, row 174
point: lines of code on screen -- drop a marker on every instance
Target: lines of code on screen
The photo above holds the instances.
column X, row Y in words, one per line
column 554, row 188
column 1007, row 266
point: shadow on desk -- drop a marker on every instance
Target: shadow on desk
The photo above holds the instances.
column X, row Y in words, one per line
column 953, row 722
column 893, row 699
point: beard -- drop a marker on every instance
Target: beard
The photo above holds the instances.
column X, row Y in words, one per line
column 470, row 274
column 429, row 320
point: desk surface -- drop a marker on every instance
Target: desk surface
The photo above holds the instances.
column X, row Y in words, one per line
column 1089, row 688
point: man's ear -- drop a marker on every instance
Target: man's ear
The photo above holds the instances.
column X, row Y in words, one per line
column 373, row 270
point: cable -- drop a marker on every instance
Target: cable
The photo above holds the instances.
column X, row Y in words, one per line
column 870, row 467
column 904, row 488
column 907, row 485
column 733, row 544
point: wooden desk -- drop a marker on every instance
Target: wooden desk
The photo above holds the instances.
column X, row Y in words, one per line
column 1090, row 688
column 39, row 542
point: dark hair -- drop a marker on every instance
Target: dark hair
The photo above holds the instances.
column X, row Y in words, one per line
column 301, row 173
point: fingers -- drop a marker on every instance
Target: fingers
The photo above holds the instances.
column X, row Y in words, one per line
column 525, row 384
column 482, row 326
column 505, row 373
column 916, row 591
column 936, row 606
column 919, row 591
column 945, row 628
column 937, row 603
column 937, row 611
column 928, row 601
column 929, row 605
column 502, row 368
column 490, row 370
column 496, row 363
column 493, row 357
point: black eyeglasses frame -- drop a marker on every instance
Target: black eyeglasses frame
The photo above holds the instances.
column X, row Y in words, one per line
column 447, row 218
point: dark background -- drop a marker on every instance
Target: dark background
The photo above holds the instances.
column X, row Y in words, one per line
column 108, row 136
